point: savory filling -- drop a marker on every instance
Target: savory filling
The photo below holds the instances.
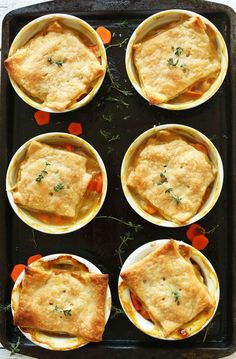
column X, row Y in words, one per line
column 168, row 289
column 63, row 301
column 170, row 176
column 57, row 67
column 178, row 62
column 58, row 184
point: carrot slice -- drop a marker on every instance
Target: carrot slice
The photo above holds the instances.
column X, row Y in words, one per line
column 33, row 258
column 92, row 184
column 99, row 184
column 200, row 147
column 136, row 303
column 200, row 242
column 75, row 128
column 104, row 34
column 42, row 118
column 194, row 93
column 17, row 270
column 43, row 217
column 149, row 209
column 94, row 49
column 194, row 230
column 69, row 147
column 145, row 314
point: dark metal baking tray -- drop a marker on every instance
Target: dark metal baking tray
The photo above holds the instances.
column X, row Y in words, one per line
column 98, row 240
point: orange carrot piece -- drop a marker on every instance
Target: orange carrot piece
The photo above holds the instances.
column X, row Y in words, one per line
column 145, row 314
column 94, row 49
column 200, row 242
column 58, row 220
column 149, row 209
column 104, row 34
column 33, row 258
column 43, row 217
column 136, row 303
column 69, row 147
column 194, row 230
column 92, row 184
column 17, row 270
column 42, row 118
column 75, row 128
column 200, row 147
column 99, row 184
column 194, row 93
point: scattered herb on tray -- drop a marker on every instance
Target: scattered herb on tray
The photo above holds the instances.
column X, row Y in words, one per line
column 175, row 198
column 5, row 307
column 107, row 118
column 126, row 117
column 209, row 326
column 34, row 238
column 110, row 150
column 115, row 312
column 108, row 136
column 15, row 347
column 135, row 227
column 118, row 100
column 118, row 44
column 213, row 138
column 43, row 173
column 59, row 187
column 122, row 23
column 125, row 238
column 116, row 85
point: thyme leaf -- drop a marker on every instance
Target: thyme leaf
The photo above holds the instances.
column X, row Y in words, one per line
column 57, row 62
column 176, row 296
column 178, row 51
column 59, row 187
column 124, row 242
column 122, row 23
column 162, row 180
column 15, row 347
column 5, row 308
column 66, row 312
column 176, row 198
column 118, row 44
column 135, row 227
column 115, row 312
column 110, row 150
column 118, row 100
column 212, row 230
column 172, row 62
column 43, row 173
column 108, row 136
column 116, row 85
column 107, row 118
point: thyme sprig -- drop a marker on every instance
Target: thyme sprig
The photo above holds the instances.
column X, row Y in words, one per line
column 122, row 23
column 118, row 100
column 116, row 85
column 125, row 238
column 210, row 325
column 43, row 173
column 115, row 312
column 66, row 312
column 59, row 187
column 108, row 136
column 174, row 61
column 135, row 227
column 118, row 44
column 162, row 180
column 15, row 347
column 176, row 296
column 57, row 62
column 107, row 118
column 212, row 230
column 176, row 198
column 5, row 307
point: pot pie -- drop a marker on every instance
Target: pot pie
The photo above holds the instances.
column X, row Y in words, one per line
column 170, row 288
column 61, row 297
column 57, row 67
column 58, row 186
column 170, row 176
column 177, row 62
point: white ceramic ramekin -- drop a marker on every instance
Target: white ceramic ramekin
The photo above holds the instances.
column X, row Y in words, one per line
column 11, row 178
column 194, row 135
column 73, row 22
column 54, row 342
column 163, row 18
column 148, row 327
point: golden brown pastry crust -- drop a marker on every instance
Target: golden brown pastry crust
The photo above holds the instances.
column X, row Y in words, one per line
column 197, row 59
column 168, row 166
column 63, row 167
column 167, row 286
column 63, row 302
column 55, row 67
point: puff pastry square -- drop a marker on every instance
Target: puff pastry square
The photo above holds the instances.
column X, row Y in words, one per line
column 65, row 168
column 167, row 286
column 55, row 67
column 169, row 168
column 63, row 302
column 197, row 59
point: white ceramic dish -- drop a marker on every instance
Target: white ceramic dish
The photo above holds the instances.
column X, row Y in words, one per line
column 55, row 342
column 190, row 133
column 149, row 327
column 163, row 18
column 73, row 22
column 11, row 178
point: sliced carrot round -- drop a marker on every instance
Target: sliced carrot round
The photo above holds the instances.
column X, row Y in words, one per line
column 99, row 184
column 104, row 34
column 69, row 147
column 92, row 184
column 194, row 230
column 43, row 217
column 200, row 147
column 33, row 258
column 200, row 242
column 42, row 118
column 75, row 128
column 17, row 270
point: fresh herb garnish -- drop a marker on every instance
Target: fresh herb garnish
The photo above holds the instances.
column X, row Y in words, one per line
column 135, row 227
column 118, row 44
column 66, row 312
column 126, row 117
column 178, row 51
column 107, row 118
column 59, row 187
column 176, row 198
column 110, row 150
column 115, row 312
column 118, row 100
column 57, row 62
column 212, row 230
column 162, row 180
column 5, row 308
column 43, row 173
column 116, row 85
column 108, row 136
column 210, row 326
column 174, row 61
column 34, row 238
column 15, row 347
column 176, row 296
column 124, row 242
column 122, row 23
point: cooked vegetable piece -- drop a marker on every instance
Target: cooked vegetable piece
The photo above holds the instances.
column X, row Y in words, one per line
column 33, row 258
column 99, row 184
column 194, row 230
column 75, row 128
column 42, row 118
column 200, row 147
column 150, row 209
column 200, row 242
column 92, row 184
column 17, row 270
column 69, row 147
column 194, row 93
column 43, row 217
column 138, row 306
column 104, row 34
